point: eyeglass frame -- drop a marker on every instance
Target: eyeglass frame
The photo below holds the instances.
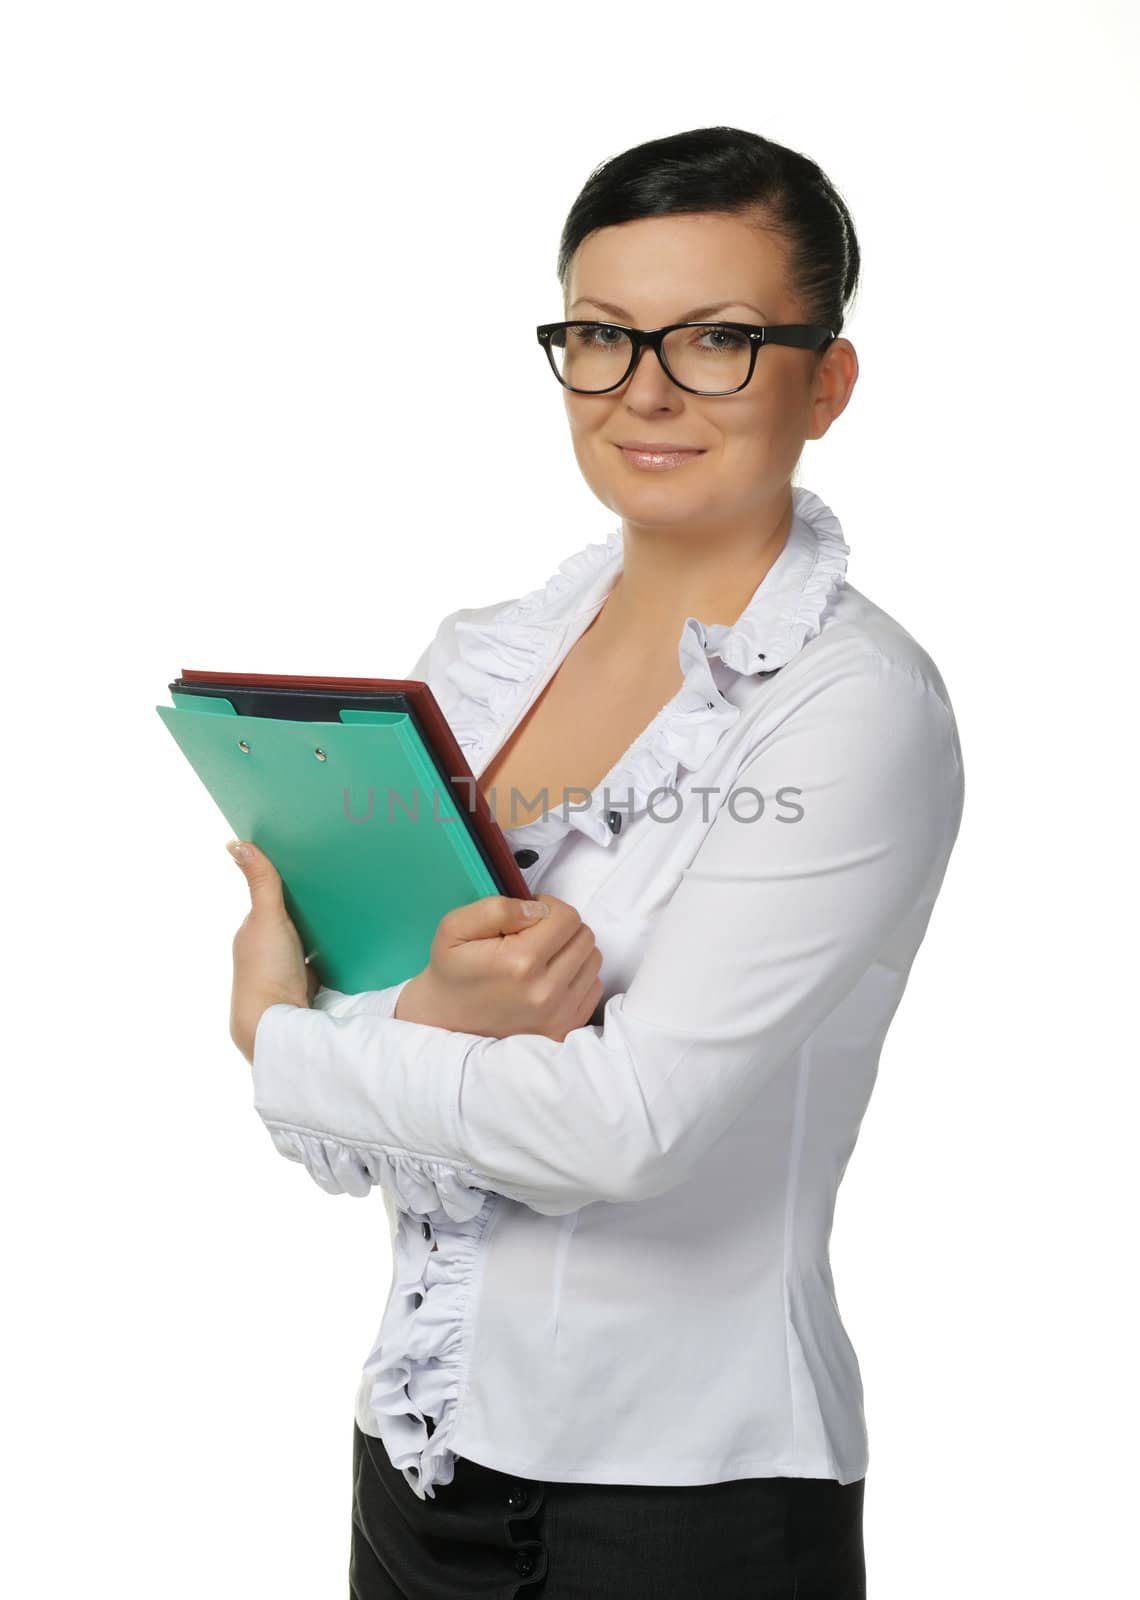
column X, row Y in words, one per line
column 800, row 335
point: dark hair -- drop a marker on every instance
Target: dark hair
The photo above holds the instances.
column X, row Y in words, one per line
column 732, row 171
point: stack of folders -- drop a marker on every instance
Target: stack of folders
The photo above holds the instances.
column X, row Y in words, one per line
column 357, row 791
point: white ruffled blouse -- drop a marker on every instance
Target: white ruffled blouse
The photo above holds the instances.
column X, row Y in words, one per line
column 611, row 1253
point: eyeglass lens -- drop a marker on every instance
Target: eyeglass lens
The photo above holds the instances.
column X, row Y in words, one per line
column 596, row 355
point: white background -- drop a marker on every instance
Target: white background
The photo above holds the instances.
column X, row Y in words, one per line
column 214, row 457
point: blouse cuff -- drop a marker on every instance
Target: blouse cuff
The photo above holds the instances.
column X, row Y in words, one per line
column 372, row 1002
column 416, row 1182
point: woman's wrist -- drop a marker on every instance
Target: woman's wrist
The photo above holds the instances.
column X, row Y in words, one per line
column 413, row 1003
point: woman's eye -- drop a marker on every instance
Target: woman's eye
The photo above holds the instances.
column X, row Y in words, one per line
column 598, row 334
column 724, row 338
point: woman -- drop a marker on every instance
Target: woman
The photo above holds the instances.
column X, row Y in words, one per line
column 611, row 1362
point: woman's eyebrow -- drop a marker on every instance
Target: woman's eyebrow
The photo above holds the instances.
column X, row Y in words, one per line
column 693, row 316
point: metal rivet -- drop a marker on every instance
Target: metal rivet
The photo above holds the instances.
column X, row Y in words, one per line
column 320, row 755
column 243, row 746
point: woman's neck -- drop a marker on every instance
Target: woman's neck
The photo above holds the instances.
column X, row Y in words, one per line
column 670, row 574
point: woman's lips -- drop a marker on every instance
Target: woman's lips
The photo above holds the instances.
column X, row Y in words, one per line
column 658, row 460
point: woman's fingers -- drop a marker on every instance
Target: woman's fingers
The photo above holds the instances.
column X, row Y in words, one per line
column 566, row 965
column 490, row 916
column 494, row 970
column 526, row 943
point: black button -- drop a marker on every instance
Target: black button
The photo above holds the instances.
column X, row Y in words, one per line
column 417, row 1299
column 526, row 858
column 525, row 1562
column 427, row 1230
column 614, row 820
column 517, row 1499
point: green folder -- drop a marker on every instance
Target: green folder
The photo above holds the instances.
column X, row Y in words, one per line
column 362, row 800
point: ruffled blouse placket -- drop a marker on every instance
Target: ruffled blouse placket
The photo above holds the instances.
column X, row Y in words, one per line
column 417, row 1366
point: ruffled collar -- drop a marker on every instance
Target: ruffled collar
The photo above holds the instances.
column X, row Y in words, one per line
column 500, row 658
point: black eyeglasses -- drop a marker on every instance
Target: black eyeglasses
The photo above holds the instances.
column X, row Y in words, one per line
column 700, row 357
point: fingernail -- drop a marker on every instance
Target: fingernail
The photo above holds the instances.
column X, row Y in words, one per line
column 535, row 908
column 239, row 851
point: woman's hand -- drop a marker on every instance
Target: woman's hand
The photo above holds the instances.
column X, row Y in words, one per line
column 269, row 963
column 495, row 971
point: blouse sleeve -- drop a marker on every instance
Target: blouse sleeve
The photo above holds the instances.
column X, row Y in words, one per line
column 773, row 922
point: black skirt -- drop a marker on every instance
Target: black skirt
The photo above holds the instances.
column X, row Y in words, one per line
column 490, row 1535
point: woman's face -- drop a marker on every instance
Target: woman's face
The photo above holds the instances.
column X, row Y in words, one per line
column 663, row 269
